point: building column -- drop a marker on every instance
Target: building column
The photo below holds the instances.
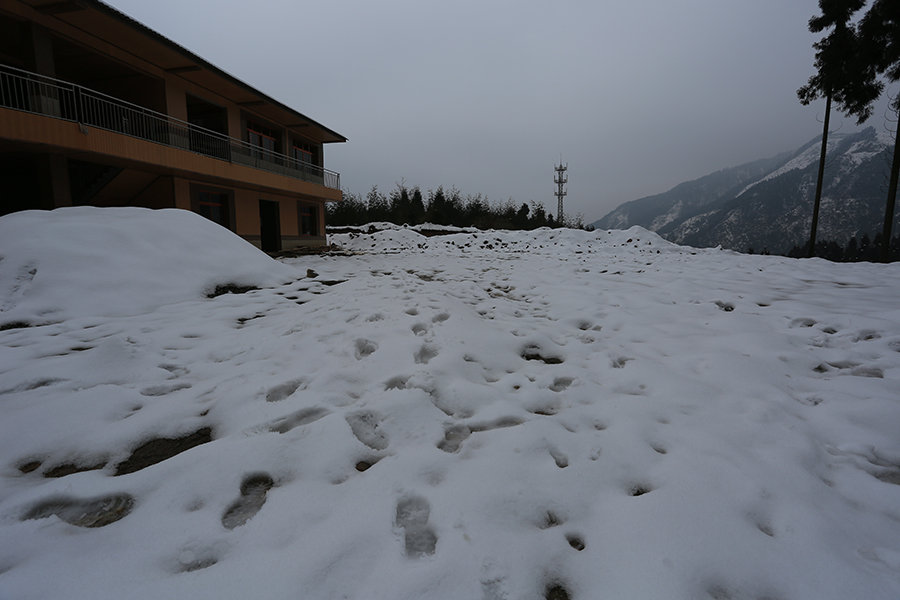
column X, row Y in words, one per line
column 60, row 188
column 41, row 52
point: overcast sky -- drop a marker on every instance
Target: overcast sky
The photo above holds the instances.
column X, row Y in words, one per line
column 636, row 96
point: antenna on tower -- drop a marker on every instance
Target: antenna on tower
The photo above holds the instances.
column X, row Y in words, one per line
column 560, row 179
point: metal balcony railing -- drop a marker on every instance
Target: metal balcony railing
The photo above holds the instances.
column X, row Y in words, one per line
column 34, row 93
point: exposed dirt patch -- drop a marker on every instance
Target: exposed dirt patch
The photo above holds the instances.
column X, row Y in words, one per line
column 555, row 591
column 70, row 468
column 14, row 325
column 96, row 512
column 160, row 449
column 535, row 352
column 28, row 467
column 230, row 288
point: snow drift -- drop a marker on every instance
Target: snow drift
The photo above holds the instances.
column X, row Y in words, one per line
column 492, row 415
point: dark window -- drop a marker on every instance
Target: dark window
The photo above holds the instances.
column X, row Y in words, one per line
column 303, row 156
column 215, row 205
column 263, row 137
column 304, row 152
column 309, row 219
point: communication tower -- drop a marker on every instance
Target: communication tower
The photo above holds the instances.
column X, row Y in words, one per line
column 560, row 180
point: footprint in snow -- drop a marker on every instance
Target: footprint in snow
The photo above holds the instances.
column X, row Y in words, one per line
column 412, row 516
column 94, row 512
column 285, row 390
column 425, row 354
column 561, row 383
column 619, row 362
column 193, row 558
column 550, row 519
column 454, row 436
column 253, row 495
column 364, row 348
column 803, row 322
column 20, row 286
column 175, row 370
column 366, row 426
column 296, row 419
column 576, row 541
column 164, row 389
column 866, row 335
column 561, row 460
column 639, row 489
column 535, row 352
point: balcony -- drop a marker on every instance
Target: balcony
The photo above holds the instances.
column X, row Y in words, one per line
column 38, row 94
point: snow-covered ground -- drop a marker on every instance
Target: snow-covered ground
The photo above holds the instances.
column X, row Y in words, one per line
column 494, row 415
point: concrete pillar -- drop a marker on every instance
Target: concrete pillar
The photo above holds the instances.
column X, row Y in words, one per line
column 60, row 188
column 41, row 52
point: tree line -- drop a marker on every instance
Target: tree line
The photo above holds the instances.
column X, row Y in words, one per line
column 864, row 249
column 409, row 206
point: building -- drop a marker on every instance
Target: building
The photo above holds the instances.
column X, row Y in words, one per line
column 97, row 109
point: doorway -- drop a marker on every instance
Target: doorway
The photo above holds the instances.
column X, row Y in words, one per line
column 269, row 226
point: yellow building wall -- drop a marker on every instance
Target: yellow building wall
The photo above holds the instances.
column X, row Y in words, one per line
column 290, row 224
column 246, row 212
column 176, row 101
column 182, row 189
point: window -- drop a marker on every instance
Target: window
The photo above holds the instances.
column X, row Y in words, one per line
column 303, row 156
column 303, row 153
column 262, row 137
column 215, row 205
column 309, row 219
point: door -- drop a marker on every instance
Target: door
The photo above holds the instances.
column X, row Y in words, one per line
column 269, row 226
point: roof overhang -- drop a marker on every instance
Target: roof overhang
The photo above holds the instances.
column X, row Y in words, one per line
column 119, row 30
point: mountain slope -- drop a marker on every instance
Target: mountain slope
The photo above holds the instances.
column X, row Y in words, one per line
column 768, row 203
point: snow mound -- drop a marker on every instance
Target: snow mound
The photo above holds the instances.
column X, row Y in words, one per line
column 85, row 261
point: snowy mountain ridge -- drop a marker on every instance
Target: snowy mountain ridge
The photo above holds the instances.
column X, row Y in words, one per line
column 807, row 156
column 768, row 203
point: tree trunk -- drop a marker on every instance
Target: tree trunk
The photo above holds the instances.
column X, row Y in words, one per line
column 891, row 200
column 818, row 198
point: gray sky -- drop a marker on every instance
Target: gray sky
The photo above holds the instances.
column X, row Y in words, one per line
column 637, row 96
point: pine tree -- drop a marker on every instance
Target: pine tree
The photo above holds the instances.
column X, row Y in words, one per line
column 377, row 204
column 850, row 63
column 438, row 210
column 842, row 75
column 521, row 219
column 401, row 205
column 416, row 207
column 880, row 32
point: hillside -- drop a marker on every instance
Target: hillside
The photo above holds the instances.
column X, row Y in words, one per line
column 552, row 414
column 768, row 203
